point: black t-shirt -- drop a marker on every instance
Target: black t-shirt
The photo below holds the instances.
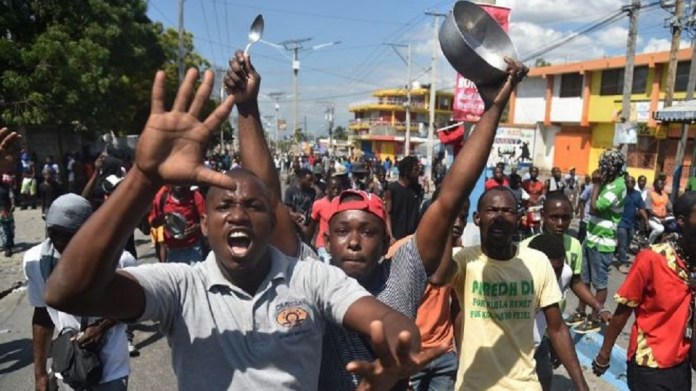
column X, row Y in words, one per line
column 5, row 201
column 49, row 192
column 405, row 208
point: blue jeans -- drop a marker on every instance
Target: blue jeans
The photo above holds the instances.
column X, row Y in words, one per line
column 623, row 236
column 7, row 234
column 188, row 255
column 595, row 267
column 439, row 375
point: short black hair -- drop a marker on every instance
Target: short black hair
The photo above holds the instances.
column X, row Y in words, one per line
column 303, row 172
column 406, row 165
column 503, row 189
column 555, row 197
column 549, row 244
column 684, row 204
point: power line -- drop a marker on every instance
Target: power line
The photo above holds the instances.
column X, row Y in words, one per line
column 606, row 21
column 207, row 29
column 217, row 26
column 314, row 14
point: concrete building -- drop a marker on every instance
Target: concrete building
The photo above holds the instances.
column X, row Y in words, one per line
column 575, row 108
column 379, row 125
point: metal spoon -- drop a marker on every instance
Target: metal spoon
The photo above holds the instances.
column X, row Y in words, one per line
column 255, row 32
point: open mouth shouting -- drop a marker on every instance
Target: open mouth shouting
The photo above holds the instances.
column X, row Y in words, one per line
column 239, row 242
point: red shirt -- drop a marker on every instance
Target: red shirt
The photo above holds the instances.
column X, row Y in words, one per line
column 191, row 206
column 321, row 211
column 491, row 183
column 535, row 190
column 656, row 287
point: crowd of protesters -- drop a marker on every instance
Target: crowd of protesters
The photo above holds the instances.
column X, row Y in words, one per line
column 355, row 276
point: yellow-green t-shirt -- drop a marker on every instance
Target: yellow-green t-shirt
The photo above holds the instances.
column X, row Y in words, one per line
column 573, row 251
column 499, row 300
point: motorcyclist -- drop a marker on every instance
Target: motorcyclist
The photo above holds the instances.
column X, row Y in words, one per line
column 659, row 209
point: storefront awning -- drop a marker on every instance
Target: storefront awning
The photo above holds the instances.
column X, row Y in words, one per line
column 684, row 112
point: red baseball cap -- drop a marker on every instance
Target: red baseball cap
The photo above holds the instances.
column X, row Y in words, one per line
column 368, row 202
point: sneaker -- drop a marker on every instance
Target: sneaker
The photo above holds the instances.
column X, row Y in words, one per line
column 8, row 252
column 576, row 318
column 132, row 350
column 588, row 326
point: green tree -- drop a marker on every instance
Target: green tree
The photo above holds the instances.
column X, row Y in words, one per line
column 300, row 135
column 169, row 41
column 340, row 133
column 77, row 64
column 540, row 62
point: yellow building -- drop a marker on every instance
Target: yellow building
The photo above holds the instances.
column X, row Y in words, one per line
column 379, row 125
column 581, row 102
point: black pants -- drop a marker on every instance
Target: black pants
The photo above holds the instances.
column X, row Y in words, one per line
column 659, row 379
column 582, row 231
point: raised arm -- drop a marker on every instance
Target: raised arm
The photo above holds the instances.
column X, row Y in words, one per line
column 170, row 150
column 435, row 226
column 91, row 184
column 243, row 82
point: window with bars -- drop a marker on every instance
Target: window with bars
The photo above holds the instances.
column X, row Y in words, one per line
column 571, row 85
column 613, row 79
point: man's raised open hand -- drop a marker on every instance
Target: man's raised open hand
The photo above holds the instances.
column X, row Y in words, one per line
column 391, row 366
column 171, row 148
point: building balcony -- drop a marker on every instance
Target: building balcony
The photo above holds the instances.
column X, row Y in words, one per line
column 381, row 127
column 388, row 105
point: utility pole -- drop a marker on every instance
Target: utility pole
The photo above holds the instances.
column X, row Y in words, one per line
column 407, row 142
column 222, row 133
column 632, row 10
column 407, row 105
column 433, row 93
column 276, row 97
column 688, row 25
column 676, row 24
column 295, row 46
column 330, row 120
column 180, row 56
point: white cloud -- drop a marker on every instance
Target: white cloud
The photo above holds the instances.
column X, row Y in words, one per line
column 530, row 37
column 661, row 45
column 614, row 37
column 556, row 11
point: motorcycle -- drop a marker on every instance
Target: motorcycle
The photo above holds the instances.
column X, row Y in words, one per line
column 530, row 223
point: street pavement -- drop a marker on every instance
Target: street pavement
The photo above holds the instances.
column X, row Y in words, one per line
column 152, row 369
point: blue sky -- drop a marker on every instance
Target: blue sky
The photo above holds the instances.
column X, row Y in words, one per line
column 348, row 72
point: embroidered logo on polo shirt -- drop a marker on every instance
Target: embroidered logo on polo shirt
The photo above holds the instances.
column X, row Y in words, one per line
column 292, row 313
column 291, row 317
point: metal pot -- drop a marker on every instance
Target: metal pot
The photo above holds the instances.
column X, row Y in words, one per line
column 176, row 224
column 475, row 44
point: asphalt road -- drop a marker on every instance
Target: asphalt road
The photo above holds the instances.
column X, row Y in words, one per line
column 152, row 369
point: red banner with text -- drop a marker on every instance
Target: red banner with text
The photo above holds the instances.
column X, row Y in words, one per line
column 467, row 105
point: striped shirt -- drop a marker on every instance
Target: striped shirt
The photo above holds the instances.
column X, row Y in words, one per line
column 399, row 283
column 601, row 229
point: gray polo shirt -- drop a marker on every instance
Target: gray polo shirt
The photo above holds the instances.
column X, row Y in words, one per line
column 223, row 338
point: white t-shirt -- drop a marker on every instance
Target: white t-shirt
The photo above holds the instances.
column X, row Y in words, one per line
column 114, row 353
column 540, row 319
